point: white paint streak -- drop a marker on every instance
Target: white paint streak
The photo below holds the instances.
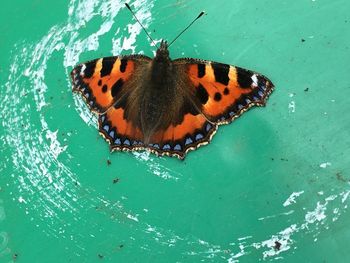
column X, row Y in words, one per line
column 154, row 166
column 142, row 9
column 283, row 238
column 291, row 199
column 277, row 215
column 134, row 218
column 345, row 196
column 55, row 147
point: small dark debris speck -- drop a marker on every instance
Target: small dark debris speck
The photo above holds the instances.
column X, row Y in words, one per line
column 109, row 162
column 100, row 256
column 306, row 90
column 340, row 177
column 15, row 256
column 302, row 40
column 121, row 246
column 115, row 180
column 277, row 245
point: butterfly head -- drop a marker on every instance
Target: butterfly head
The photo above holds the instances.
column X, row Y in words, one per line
column 162, row 52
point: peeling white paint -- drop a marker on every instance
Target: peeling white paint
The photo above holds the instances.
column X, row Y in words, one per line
column 291, row 199
column 134, row 218
column 325, row 165
column 55, row 146
column 316, row 215
column 291, row 106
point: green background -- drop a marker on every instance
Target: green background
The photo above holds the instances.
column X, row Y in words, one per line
column 279, row 173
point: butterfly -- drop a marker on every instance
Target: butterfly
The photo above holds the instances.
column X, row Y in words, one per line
column 165, row 106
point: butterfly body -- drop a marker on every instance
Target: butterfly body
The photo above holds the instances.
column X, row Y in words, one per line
column 166, row 106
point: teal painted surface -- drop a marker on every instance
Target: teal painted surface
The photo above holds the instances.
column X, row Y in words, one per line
column 279, row 173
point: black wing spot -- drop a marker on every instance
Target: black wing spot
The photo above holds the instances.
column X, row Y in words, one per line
column 123, row 64
column 217, row 96
column 244, row 77
column 221, row 72
column 99, row 82
column 104, row 88
column 89, row 69
column 201, row 70
column 202, row 94
column 107, row 66
column 226, row 91
column 116, row 87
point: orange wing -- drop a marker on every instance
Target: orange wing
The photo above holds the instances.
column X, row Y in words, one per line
column 99, row 81
column 225, row 91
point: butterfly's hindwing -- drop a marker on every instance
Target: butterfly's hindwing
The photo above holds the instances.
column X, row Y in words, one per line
column 193, row 131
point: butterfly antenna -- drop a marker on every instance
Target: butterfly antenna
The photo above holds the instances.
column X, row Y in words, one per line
column 132, row 12
column 200, row 14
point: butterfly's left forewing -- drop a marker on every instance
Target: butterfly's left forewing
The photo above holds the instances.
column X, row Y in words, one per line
column 99, row 81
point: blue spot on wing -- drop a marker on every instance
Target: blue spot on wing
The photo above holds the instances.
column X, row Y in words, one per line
column 199, row 136
column 136, row 143
column 118, row 141
column 188, row 141
column 156, row 146
column 177, row 147
column 127, row 142
column 208, row 127
column 166, row 147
